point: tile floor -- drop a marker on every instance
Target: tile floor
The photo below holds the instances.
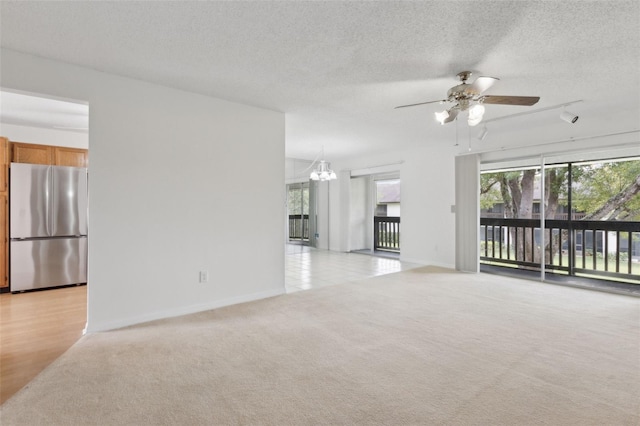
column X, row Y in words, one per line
column 307, row 268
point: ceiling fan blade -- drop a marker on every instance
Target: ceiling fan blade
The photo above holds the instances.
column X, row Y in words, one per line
column 453, row 113
column 421, row 103
column 510, row 100
column 480, row 85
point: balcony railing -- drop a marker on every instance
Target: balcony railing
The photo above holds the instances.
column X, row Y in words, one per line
column 386, row 233
column 561, row 216
column 609, row 249
column 299, row 227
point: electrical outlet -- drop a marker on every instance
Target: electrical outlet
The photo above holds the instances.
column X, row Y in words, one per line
column 204, row 276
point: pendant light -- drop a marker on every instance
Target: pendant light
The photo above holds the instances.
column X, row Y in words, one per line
column 323, row 172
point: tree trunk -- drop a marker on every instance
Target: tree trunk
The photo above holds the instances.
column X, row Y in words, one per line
column 521, row 196
column 613, row 205
column 552, row 183
column 510, row 189
column 509, row 209
column 516, row 195
column 525, row 211
column 552, row 193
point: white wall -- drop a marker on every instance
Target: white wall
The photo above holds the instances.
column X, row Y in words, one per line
column 428, row 191
column 326, row 230
column 297, row 170
column 44, row 136
column 162, row 163
column 359, row 207
column 467, row 217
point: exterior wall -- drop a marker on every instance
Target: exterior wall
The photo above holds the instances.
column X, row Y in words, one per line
column 393, row 209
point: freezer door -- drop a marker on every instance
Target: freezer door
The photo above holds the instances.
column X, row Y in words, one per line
column 30, row 195
column 68, row 201
column 48, row 263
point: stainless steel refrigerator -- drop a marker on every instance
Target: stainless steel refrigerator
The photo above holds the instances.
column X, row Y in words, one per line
column 48, row 226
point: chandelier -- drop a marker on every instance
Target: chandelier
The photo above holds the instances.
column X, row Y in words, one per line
column 323, row 172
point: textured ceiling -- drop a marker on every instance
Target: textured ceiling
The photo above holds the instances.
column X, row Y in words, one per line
column 337, row 69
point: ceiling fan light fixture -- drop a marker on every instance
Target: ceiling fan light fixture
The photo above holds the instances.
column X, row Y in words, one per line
column 475, row 114
column 441, row 116
column 474, row 121
column 470, row 97
column 477, row 110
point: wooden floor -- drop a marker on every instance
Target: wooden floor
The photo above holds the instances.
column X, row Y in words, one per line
column 35, row 329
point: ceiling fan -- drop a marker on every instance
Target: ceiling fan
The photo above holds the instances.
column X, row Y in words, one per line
column 470, row 97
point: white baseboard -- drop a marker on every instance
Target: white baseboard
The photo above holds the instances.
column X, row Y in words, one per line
column 183, row 310
column 427, row 263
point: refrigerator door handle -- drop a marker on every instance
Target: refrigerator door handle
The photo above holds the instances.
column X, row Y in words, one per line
column 49, row 196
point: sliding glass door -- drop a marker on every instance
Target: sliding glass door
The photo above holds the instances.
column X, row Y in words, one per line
column 572, row 219
column 606, row 195
column 386, row 217
column 298, row 214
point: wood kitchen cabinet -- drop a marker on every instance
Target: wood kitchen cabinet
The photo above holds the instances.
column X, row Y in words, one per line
column 74, row 157
column 47, row 154
column 31, row 153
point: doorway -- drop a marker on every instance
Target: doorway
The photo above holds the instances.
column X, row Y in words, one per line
column 298, row 213
column 374, row 218
column 40, row 130
column 386, row 218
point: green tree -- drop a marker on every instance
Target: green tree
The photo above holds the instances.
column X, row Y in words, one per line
column 608, row 191
column 298, row 199
column 490, row 190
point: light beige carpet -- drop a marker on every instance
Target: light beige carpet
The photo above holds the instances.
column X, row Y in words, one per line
column 425, row 346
